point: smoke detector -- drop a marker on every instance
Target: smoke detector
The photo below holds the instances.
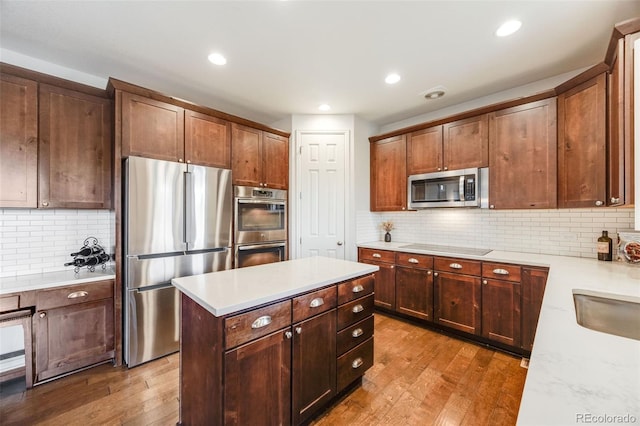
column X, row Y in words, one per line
column 434, row 93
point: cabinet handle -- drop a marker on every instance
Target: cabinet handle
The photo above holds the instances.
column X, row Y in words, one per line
column 188, row 161
column 357, row 332
column 263, row 321
column 615, row 200
column 500, row 271
column 446, row 168
column 599, row 203
column 357, row 363
column 288, row 335
column 376, row 255
column 42, row 314
column 318, row 301
column 45, row 203
column 357, row 309
column 77, row 294
column 485, row 282
column 180, row 160
column 455, row 266
column 357, row 289
column 439, row 168
column 435, row 274
column 413, row 260
column 429, row 272
column 299, row 330
column 492, row 206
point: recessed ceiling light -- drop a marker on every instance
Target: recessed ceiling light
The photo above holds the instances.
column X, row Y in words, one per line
column 392, row 78
column 324, row 107
column 434, row 92
column 508, row 28
column 217, row 58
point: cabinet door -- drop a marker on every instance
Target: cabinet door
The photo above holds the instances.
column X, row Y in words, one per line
column 466, row 143
column 246, row 155
column 151, row 128
column 501, row 311
column 18, row 142
column 389, row 174
column 414, row 292
column 207, row 140
column 314, row 365
column 523, row 159
column 275, row 161
column 582, row 158
column 74, row 167
column 533, row 284
column 385, row 286
column 257, row 389
column 616, row 146
column 72, row 337
column 424, row 151
column 457, row 301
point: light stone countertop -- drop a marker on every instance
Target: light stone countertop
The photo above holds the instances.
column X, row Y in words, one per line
column 54, row 279
column 576, row 375
column 230, row 291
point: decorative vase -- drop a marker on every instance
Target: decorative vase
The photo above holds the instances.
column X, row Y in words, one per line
column 387, row 237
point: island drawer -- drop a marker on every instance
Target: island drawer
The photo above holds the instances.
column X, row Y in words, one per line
column 355, row 334
column 355, row 311
column 314, row 303
column 259, row 322
column 355, row 288
column 74, row 294
column 354, row 363
column 459, row 266
column 501, row 271
column 376, row 255
column 411, row 260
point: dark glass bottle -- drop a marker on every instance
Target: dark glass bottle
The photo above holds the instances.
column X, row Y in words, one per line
column 605, row 247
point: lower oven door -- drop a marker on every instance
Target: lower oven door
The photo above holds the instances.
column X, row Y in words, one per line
column 259, row 254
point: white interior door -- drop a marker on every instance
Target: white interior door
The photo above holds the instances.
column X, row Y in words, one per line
column 321, row 195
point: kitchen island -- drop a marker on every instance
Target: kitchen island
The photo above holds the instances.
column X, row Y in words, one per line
column 275, row 343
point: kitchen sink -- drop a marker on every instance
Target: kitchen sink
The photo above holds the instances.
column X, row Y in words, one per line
column 608, row 313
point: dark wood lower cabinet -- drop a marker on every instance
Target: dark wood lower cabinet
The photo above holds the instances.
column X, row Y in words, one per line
column 314, row 365
column 72, row 337
column 257, row 387
column 414, row 292
column 457, row 301
column 501, row 311
column 385, row 285
column 534, row 281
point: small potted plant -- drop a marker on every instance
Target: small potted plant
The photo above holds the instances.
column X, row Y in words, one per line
column 387, row 226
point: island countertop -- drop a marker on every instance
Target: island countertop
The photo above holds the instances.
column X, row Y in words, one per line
column 230, row 291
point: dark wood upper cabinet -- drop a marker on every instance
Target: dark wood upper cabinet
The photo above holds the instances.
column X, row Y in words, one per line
column 74, row 166
column 152, row 128
column 582, row 157
column 259, row 158
column 615, row 116
column 466, row 143
column 523, row 158
column 424, row 151
column 389, row 174
column 207, row 140
column 18, row 142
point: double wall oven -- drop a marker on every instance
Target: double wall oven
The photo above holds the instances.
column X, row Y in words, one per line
column 260, row 234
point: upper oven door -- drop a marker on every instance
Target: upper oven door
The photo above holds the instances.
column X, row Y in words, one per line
column 260, row 220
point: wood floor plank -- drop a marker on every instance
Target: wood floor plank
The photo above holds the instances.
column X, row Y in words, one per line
column 419, row 377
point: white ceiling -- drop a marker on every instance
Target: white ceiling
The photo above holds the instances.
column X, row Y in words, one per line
column 287, row 57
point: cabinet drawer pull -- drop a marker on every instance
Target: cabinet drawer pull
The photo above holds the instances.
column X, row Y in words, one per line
column 376, row 255
column 318, row 301
column 500, row 271
column 263, row 321
column 357, row 332
column 357, row 289
column 413, row 260
column 357, row 363
column 455, row 266
column 357, row 309
column 77, row 294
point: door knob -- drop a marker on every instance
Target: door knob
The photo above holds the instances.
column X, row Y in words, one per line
column 339, row 243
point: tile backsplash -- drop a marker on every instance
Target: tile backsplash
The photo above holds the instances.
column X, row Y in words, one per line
column 566, row 232
column 41, row 240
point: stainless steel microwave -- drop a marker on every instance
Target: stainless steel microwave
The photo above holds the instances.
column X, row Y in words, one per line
column 453, row 188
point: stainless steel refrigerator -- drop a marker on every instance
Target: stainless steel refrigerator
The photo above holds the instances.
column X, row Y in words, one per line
column 177, row 222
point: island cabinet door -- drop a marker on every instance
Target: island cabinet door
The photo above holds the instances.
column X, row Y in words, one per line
column 257, row 389
column 314, row 365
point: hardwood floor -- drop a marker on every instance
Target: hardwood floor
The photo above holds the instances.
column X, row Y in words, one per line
column 419, row 377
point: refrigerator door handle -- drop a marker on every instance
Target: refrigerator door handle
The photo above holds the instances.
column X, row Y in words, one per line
column 189, row 195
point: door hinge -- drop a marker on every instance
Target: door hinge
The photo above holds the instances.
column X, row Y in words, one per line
column 300, row 240
column 300, row 150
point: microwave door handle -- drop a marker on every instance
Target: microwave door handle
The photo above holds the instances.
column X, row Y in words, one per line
column 461, row 189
